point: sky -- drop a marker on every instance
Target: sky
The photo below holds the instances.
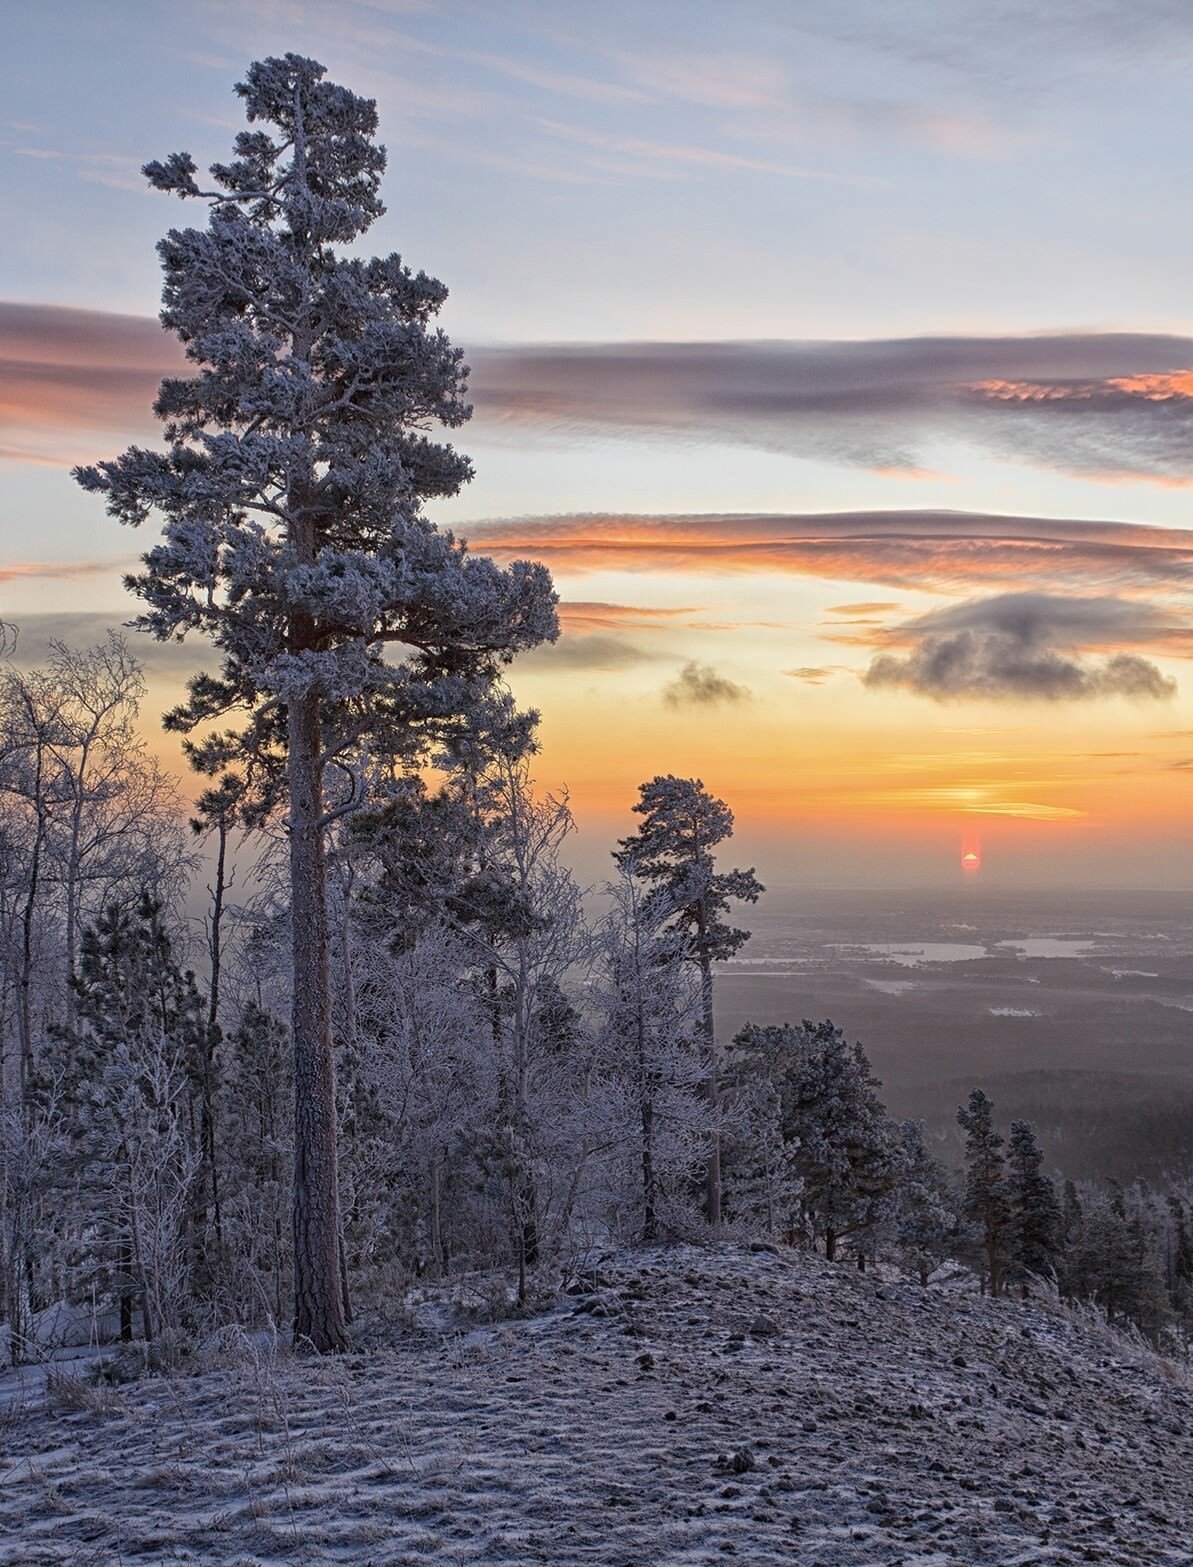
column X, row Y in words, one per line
column 838, row 359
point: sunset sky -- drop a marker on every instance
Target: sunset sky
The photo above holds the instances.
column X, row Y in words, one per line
column 838, row 359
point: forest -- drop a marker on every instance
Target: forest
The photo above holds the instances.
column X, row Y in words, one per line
column 401, row 1043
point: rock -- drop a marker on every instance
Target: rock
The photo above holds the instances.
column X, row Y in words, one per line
column 764, row 1327
column 737, row 1462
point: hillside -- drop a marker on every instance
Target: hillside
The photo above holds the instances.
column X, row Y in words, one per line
column 685, row 1407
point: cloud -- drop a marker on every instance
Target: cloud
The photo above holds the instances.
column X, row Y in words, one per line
column 671, row 160
column 1027, row 646
column 597, row 651
column 862, row 611
column 699, row 685
column 68, row 376
column 60, row 570
column 1137, row 426
column 937, row 551
column 1103, row 405
column 86, row 628
column 592, row 614
column 812, row 676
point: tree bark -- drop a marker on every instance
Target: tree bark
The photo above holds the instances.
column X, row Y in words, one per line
column 207, row 1119
column 318, row 1295
column 712, row 1089
column 650, row 1220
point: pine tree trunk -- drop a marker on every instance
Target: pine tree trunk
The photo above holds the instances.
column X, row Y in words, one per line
column 207, row 1124
column 712, row 1090
column 318, row 1297
column 650, row 1222
column 436, row 1222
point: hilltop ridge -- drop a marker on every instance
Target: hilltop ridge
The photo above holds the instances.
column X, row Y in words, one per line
column 682, row 1406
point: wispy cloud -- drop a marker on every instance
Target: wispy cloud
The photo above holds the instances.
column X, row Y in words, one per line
column 115, row 170
column 67, row 375
column 589, row 614
column 937, row 551
column 62, row 571
column 812, row 675
column 674, row 157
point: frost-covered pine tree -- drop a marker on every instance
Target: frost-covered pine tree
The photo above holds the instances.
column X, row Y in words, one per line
column 129, row 1063
column 924, row 1218
column 987, row 1205
column 1035, row 1213
column 291, row 489
column 844, row 1148
column 672, row 852
column 648, row 1019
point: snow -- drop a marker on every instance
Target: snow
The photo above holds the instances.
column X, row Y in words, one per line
column 697, row 1404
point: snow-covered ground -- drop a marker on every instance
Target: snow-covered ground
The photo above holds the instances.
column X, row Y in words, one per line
column 695, row 1406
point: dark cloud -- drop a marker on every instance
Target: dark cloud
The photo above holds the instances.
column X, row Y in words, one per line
column 1028, row 646
column 69, row 376
column 1107, row 405
column 699, row 685
column 1117, row 404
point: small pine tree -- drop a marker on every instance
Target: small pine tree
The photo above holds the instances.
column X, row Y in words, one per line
column 256, row 1150
column 132, row 1061
column 843, row 1148
column 924, row 1218
column 672, row 852
column 1036, row 1219
column 1114, row 1262
column 987, row 1205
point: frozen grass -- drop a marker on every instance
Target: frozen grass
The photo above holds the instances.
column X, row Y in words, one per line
column 692, row 1406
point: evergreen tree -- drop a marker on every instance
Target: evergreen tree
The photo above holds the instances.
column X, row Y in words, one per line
column 132, row 1060
column 1070, row 1215
column 987, row 1205
column 672, row 852
column 843, row 1148
column 924, row 1218
column 1036, row 1219
column 645, row 1039
column 292, row 493
column 1180, row 1253
column 1115, row 1262
column 256, row 1148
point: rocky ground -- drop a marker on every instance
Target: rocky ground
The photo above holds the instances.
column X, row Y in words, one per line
column 686, row 1407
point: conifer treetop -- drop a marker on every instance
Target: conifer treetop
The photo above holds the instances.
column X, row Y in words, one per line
column 300, row 454
column 673, row 849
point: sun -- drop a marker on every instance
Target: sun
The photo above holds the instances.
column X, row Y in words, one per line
column 971, row 861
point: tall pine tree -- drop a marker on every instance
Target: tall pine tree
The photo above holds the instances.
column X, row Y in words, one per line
column 292, row 490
